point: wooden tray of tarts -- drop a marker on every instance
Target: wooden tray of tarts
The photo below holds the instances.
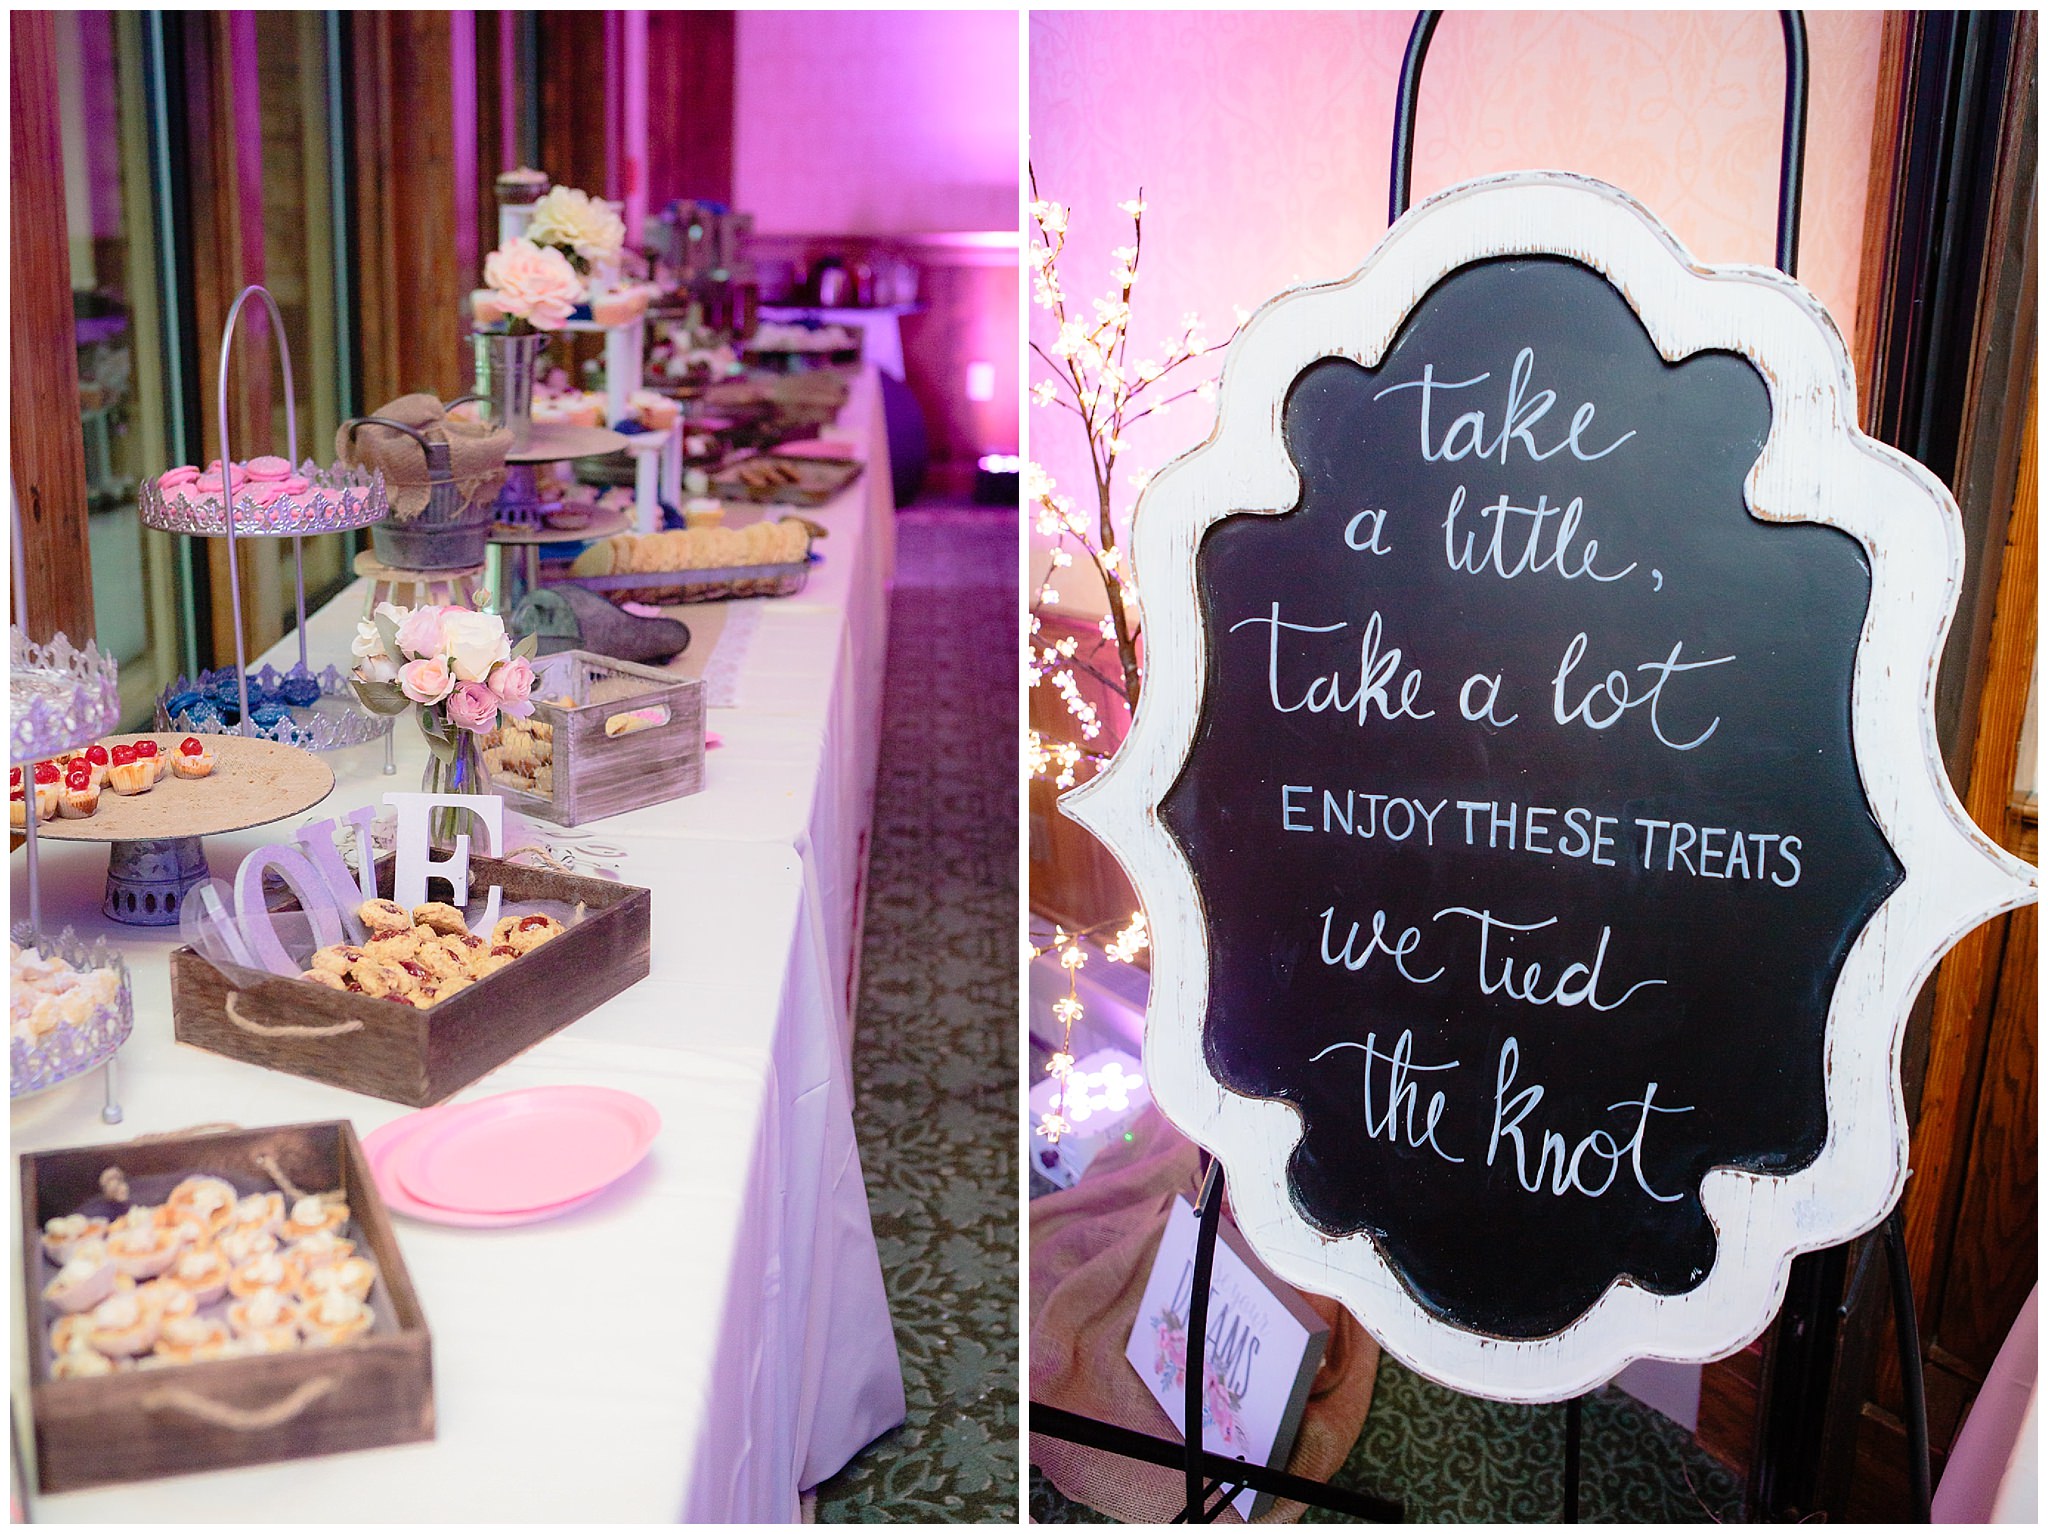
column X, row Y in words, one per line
column 389, row 1048
column 144, row 1424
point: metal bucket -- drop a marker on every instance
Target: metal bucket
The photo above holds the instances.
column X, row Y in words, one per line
column 504, row 376
column 423, row 545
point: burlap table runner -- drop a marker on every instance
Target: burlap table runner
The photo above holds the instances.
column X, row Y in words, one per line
column 1092, row 1247
column 476, row 453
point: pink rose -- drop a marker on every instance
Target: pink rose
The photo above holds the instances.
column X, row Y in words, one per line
column 512, row 681
column 472, row 706
column 419, row 632
column 533, row 282
column 426, row 681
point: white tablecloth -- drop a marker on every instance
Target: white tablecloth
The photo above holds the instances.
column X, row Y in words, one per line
column 752, row 1354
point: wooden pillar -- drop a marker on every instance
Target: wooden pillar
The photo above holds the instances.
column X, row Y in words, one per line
column 410, row 288
column 47, row 446
column 573, row 122
column 690, row 106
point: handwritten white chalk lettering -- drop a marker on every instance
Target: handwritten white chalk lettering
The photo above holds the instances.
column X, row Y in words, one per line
column 1619, row 691
column 1376, row 942
column 1483, row 711
column 1558, row 1161
column 1367, row 542
column 1745, row 855
column 1466, row 436
column 1529, row 557
column 1396, row 1119
column 1578, row 985
column 1377, row 670
column 1393, row 817
column 1512, row 827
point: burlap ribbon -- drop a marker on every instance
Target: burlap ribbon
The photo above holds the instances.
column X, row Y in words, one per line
column 476, row 453
column 1091, row 1251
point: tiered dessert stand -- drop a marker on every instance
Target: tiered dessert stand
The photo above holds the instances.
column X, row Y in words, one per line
column 60, row 699
column 340, row 499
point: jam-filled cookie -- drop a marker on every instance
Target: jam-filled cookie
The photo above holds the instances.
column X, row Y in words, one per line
column 523, row 934
column 336, row 958
column 439, row 916
column 384, row 916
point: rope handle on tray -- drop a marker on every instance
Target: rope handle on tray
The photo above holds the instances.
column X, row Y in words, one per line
column 114, row 1181
column 239, row 1419
column 285, row 1030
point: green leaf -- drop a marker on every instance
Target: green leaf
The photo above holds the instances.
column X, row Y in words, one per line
column 380, row 697
column 526, row 647
column 388, row 632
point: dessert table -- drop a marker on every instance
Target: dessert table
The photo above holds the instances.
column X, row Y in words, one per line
column 711, row 1334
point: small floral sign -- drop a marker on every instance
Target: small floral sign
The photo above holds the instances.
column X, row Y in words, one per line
column 1261, row 1347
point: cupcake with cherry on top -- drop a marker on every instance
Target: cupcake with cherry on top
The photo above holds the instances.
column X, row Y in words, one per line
column 192, row 759
column 127, row 773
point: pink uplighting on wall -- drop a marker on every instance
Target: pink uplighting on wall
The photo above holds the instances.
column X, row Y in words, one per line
column 876, row 122
column 1261, row 141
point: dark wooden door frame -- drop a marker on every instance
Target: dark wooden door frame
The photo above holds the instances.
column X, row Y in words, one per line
column 1947, row 342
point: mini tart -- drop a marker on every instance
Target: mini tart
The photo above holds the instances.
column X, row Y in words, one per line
column 266, row 1315
column 246, row 1242
column 439, row 916
column 188, row 762
column 73, row 1334
column 267, row 1271
column 80, row 799
column 352, row 1276
column 210, row 1201
column 202, row 1272
column 62, row 1235
column 97, row 760
column 321, row 1249
column 133, row 776
column 49, row 800
column 81, row 1364
column 123, row 1326
column 312, row 1214
column 190, row 1339
column 384, row 916
column 259, row 1211
column 81, row 1284
column 167, row 1299
column 335, row 1317
column 143, row 1250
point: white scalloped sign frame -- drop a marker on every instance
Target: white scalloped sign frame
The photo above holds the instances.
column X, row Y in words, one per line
column 1815, row 466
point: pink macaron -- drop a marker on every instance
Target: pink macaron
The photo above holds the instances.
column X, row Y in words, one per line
column 171, row 479
column 298, row 484
column 208, row 484
column 264, row 492
column 269, row 466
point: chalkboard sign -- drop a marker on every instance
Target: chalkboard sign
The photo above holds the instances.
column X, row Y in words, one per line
column 1533, row 791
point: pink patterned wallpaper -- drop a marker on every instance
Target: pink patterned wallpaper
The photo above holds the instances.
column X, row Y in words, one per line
column 1261, row 141
column 876, row 122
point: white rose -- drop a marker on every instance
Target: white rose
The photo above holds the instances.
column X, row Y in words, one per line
column 373, row 662
column 576, row 219
column 475, row 642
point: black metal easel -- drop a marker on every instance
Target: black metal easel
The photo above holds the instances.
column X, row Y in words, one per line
column 1213, row 1480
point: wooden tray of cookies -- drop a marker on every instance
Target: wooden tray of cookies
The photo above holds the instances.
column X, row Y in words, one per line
column 785, row 479
column 143, row 1424
column 389, row 1048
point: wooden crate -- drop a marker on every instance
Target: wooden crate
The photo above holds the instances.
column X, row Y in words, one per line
column 145, row 1424
column 564, row 765
column 398, row 1051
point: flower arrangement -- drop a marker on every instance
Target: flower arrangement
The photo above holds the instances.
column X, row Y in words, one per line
column 458, row 668
column 1091, row 375
column 534, row 282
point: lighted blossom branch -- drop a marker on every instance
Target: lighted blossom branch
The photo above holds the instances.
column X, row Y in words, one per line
column 1089, row 374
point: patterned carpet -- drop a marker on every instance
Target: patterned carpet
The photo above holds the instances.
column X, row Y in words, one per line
column 935, row 1057
column 1451, row 1458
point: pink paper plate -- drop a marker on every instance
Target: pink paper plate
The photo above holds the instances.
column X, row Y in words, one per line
column 527, row 1150
column 829, row 448
column 381, row 1145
